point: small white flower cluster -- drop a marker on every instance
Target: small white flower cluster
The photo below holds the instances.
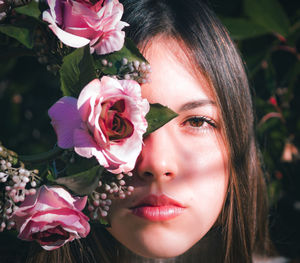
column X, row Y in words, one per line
column 14, row 185
column 108, row 189
column 135, row 70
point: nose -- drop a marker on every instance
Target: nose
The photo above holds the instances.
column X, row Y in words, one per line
column 157, row 160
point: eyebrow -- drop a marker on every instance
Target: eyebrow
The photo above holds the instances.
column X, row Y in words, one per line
column 195, row 104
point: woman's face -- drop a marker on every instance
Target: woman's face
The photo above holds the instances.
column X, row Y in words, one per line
column 181, row 175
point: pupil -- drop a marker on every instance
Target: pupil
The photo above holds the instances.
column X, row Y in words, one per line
column 195, row 122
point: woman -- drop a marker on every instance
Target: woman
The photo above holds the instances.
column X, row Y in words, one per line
column 200, row 193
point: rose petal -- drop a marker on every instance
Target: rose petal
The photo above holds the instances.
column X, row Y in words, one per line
column 83, row 143
column 91, row 90
column 65, row 119
column 110, row 42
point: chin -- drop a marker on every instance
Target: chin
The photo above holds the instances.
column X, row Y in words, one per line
column 158, row 244
column 159, row 251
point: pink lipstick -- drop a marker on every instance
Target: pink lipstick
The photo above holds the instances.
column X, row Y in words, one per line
column 158, row 208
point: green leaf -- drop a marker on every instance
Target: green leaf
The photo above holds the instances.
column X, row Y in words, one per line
column 104, row 222
column 158, row 116
column 31, row 9
column 80, row 164
column 241, row 28
column 22, row 33
column 82, row 183
column 42, row 157
column 269, row 14
column 77, row 71
column 129, row 51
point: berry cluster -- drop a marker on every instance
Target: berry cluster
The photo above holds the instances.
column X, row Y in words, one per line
column 110, row 186
column 16, row 182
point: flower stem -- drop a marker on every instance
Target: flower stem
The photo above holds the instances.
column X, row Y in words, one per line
column 41, row 157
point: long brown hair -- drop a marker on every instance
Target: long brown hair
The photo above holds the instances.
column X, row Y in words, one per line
column 206, row 42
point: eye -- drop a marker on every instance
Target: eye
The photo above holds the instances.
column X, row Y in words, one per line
column 197, row 124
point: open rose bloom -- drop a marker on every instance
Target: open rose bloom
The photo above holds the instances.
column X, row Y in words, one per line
column 80, row 22
column 107, row 121
column 52, row 217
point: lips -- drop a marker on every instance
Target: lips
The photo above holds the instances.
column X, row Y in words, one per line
column 158, row 208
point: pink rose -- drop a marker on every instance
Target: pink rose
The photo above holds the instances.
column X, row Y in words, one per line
column 52, row 217
column 107, row 121
column 79, row 22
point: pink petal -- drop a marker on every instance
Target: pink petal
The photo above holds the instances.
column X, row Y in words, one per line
column 67, row 38
column 83, row 143
column 110, row 42
column 65, row 119
column 92, row 89
column 80, row 202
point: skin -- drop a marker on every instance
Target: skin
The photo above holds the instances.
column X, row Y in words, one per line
column 185, row 160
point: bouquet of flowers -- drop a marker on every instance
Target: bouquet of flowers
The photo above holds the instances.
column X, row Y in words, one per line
column 100, row 121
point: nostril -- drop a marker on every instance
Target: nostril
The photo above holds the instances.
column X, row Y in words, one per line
column 168, row 174
column 148, row 174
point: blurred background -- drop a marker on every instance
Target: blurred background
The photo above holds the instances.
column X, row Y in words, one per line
column 267, row 33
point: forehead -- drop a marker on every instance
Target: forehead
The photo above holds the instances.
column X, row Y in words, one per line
column 175, row 79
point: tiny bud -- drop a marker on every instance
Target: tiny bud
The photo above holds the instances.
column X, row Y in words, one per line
column 120, row 176
column 122, row 182
column 122, row 196
column 95, row 215
column 106, row 208
column 104, row 62
column 103, row 196
column 107, row 187
column 22, row 185
column 130, row 188
column 129, row 174
column 8, row 164
column 11, row 223
column 27, row 173
column 4, row 179
column 21, row 171
column 9, row 211
column 136, row 64
column 100, row 183
column 3, row 225
column 127, row 76
column 103, row 213
column 91, row 208
column 96, row 203
column 124, row 61
column 25, row 179
column 7, row 188
column 33, row 184
column 131, row 68
column 110, row 64
column 97, row 196
column 108, row 202
column 32, row 191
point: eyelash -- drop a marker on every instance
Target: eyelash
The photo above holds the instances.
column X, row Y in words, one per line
column 205, row 124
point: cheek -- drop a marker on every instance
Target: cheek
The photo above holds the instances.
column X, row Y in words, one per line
column 205, row 186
